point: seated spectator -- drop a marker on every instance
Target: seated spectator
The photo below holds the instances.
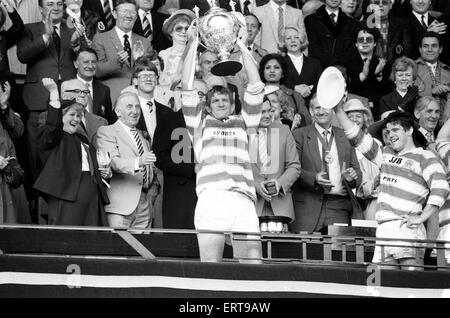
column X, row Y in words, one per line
column 275, row 167
column 403, row 74
column 272, row 70
column 302, row 72
column 13, row 203
column 71, row 180
column 367, row 192
column 119, row 48
column 132, row 165
column 329, row 171
column 226, row 194
column 413, row 186
column 433, row 76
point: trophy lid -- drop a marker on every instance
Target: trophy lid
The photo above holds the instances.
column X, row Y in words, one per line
column 331, row 88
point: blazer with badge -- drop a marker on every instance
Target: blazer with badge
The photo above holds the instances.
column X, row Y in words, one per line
column 268, row 34
column 43, row 61
column 307, row 195
column 101, row 101
column 110, row 71
column 286, row 170
column 125, row 182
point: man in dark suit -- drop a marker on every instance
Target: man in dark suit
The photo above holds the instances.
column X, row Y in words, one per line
column 330, row 33
column 86, row 65
column 46, row 49
column 145, row 78
column 104, row 8
column 329, row 171
column 149, row 23
column 416, row 23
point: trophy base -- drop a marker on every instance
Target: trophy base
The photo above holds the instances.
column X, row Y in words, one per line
column 226, row 68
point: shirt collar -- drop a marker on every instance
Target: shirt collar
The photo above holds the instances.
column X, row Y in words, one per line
column 294, row 57
column 142, row 13
column 424, row 131
column 127, row 129
column 276, row 6
column 145, row 101
column 320, row 129
column 335, row 12
column 419, row 16
column 120, row 33
column 82, row 80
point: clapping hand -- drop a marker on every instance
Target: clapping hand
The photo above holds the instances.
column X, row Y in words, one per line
column 138, row 50
column 5, row 93
column 123, row 56
column 380, row 67
column 3, row 162
column 303, row 89
column 48, row 23
column 438, row 27
column 440, row 89
column 8, row 5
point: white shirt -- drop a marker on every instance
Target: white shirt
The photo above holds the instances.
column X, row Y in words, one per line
column 120, row 34
column 334, row 167
column 142, row 14
column 297, row 61
column 425, row 132
column 149, row 116
column 88, row 84
column 130, row 134
column 58, row 28
column 336, row 13
column 275, row 11
column 402, row 94
column 419, row 17
column 84, row 159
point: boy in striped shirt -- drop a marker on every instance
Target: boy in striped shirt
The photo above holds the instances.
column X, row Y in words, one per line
column 225, row 187
column 413, row 186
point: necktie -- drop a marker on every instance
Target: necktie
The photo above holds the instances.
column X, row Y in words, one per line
column 146, row 26
column 150, row 106
column 246, row 9
column 140, row 147
column 127, row 47
column 332, row 16
column 262, row 149
column 108, row 14
column 325, row 150
column 280, row 24
column 424, row 25
column 56, row 39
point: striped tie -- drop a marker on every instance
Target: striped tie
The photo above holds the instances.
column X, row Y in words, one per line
column 140, row 150
column 262, row 149
column 108, row 14
column 280, row 24
column 146, row 26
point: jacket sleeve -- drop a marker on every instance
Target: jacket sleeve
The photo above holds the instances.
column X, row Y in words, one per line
column 51, row 133
column 30, row 47
column 291, row 164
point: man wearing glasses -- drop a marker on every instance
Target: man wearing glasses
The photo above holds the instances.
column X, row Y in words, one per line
column 367, row 72
column 118, row 49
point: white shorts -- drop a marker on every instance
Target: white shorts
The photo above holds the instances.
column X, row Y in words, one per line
column 392, row 229
column 222, row 210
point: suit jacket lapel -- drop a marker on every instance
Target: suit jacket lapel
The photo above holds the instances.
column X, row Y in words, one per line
column 115, row 40
column 313, row 148
column 121, row 133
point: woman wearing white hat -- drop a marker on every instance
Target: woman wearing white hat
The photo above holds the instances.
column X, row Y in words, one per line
column 175, row 28
column 368, row 190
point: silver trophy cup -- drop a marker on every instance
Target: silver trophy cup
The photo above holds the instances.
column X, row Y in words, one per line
column 218, row 31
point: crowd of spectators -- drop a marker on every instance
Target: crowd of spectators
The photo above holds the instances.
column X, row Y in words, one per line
column 111, row 115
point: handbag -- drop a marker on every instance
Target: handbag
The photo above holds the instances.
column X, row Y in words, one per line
column 13, row 173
